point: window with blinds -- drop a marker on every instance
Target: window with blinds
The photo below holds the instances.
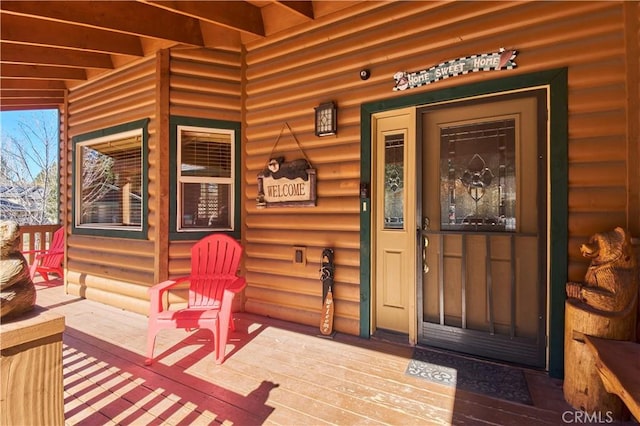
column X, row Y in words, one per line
column 205, row 177
column 109, row 181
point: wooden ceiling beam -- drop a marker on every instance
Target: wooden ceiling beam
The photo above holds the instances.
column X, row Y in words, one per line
column 49, row 46
column 22, row 29
column 237, row 15
column 42, row 72
column 30, row 94
column 129, row 17
column 31, row 107
column 301, row 7
column 40, row 101
column 32, row 84
column 29, row 54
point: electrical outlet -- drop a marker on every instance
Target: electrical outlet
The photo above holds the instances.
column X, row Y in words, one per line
column 299, row 255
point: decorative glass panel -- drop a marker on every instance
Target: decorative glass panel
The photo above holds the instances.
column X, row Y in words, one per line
column 478, row 176
column 394, row 181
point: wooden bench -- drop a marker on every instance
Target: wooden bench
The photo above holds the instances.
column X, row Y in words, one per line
column 618, row 363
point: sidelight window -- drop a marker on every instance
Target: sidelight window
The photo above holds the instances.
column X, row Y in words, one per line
column 394, row 181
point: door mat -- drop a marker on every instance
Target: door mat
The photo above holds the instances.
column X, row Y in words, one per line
column 494, row 380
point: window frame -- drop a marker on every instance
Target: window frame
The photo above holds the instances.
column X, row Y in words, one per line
column 176, row 124
column 100, row 136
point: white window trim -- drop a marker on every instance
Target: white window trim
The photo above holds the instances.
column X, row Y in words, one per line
column 201, row 179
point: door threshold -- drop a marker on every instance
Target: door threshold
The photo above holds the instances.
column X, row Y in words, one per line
column 478, row 358
column 391, row 337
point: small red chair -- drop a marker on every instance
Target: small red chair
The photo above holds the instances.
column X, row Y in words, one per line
column 213, row 284
column 49, row 260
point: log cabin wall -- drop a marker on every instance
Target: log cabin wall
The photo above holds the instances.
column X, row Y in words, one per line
column 62, row 170
column 114, row 271
column 204, row 83
column 281, row 79
column 199, row 83
column 291, row 73
column 63, row 177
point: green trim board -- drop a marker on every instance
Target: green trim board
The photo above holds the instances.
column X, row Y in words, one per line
column 174, row 122
column 365, row 221
column 143, row 125
column 558, row 216
column 557, row 82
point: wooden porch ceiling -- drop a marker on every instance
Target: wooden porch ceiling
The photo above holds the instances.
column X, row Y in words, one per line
column 47, row 47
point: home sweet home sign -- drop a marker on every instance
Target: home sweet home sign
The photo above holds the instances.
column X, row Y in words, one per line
column 503, row 59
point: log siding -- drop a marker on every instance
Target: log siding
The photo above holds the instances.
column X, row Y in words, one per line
column 202, row 83
column 286, row 78
column 279, row 79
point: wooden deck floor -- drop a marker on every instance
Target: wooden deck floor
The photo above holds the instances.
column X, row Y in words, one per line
column 276, row 373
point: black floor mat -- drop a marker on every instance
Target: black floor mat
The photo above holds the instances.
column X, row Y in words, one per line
column 495, row 380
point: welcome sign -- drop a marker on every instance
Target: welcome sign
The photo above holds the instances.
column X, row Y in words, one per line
column 503, row 59
column 286, row 184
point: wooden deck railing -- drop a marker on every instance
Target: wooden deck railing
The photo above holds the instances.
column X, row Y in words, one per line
column 35, row 237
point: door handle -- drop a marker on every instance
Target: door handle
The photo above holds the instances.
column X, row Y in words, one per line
column 425, row 243
column 425, row 267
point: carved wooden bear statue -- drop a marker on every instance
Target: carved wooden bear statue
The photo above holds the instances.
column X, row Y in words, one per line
column 604, row 306
column 17, row 292
column 611, row 281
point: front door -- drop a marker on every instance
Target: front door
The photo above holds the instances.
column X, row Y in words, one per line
column 482, row 192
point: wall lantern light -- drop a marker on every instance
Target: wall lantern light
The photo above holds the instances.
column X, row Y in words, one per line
column 326, row 119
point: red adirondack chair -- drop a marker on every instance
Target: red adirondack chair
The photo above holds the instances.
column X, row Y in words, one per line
column 213, row 284
column 49, row 260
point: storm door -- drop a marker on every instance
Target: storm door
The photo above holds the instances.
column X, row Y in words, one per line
column 482, row 284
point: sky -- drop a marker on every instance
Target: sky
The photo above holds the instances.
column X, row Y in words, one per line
column 9, row 121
